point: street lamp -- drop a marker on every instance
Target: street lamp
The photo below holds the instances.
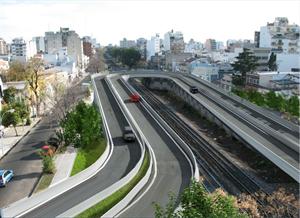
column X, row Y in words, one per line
column 1, row 116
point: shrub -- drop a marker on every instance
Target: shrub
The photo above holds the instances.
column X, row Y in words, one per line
column 48, row 164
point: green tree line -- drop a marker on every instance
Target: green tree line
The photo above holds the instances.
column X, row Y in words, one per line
column 271, row 100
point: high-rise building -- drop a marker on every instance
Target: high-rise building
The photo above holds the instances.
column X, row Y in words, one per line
column 127, row 43
column 141, row 44
column 65, row 38
column 53, row 42
column 31, row 49
column 18, row 50
column 280, row 36
column 74, row 47
column 3, row 47
column 40, row 44
column 256, row 39
column 174, row 42
column 153, row 46
column 211, row 45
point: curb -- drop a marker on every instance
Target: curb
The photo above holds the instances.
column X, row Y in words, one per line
column 17, row 142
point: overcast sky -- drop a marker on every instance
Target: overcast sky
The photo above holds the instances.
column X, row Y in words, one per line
column 110, row 21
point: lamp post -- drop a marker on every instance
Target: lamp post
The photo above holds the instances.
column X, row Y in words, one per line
column 1, row 116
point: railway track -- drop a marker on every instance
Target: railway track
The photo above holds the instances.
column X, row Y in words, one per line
column 217, row 169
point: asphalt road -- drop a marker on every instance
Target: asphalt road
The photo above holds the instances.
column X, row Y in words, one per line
column 173, row 169
column 24, row 161
column 123, row 159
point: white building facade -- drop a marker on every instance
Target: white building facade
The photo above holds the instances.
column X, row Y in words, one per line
column 281, row 36
column 153, row 46
column 3, row 47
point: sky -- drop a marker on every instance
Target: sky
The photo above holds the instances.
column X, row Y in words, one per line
column 110, row 21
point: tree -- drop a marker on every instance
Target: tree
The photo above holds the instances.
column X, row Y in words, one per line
column 34, row 78
column 272, row 62
column 196, row 202
column 16, row 72
column 130, row 57
column 11, row 119
column 246, row 62
column 10, row 95
column 81, row 126
column 292, row 105
column 274, row 101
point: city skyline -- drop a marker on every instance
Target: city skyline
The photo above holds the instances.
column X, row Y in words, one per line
column 109, row 22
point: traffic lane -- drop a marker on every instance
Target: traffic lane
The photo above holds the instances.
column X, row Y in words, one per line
column 174, row 171
column 119, row 164
column 25, row 163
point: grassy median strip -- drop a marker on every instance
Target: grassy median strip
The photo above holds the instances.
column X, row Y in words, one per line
column 88, row 155
column 106, row 204
column 44, row 182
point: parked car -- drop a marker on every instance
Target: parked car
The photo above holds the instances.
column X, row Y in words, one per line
column 5, row 176
column 194, row 89
column 128, row 134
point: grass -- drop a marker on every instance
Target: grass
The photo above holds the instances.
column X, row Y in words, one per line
column 44, row 182
column 88, row 155
column 102, row 207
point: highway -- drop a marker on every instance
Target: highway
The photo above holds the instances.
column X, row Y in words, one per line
column 123, row 159
column 283, row 156
column 286, row 135
column 267, row 117
column 173, row 169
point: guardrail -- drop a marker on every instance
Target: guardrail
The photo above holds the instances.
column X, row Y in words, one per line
column 185, row 149
column 25, row 205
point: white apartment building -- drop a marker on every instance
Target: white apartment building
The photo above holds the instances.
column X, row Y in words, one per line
column 174, row 42
column 18, row 50
column 3, row 47
column 31, row 49
column 281, row 36
column 40, row 44
column 153, row 46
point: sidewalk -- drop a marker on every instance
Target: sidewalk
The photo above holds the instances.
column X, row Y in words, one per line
column 64, row 164
column 10, row 139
